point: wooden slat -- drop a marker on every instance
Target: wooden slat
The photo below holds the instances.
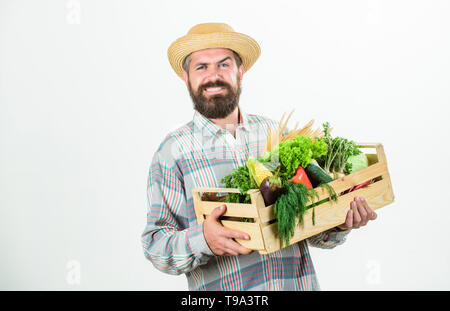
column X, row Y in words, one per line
column 266, row 214
column 348, row 181
column 204, row 208
column 330, row 214
column 367, row 145
column 233, row 209
column 215, row 190
column 252, row 229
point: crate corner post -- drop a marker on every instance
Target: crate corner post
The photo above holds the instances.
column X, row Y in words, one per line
column 258, row 202
column 198, row 205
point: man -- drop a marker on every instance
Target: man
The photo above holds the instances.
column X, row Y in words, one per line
column 212, row 60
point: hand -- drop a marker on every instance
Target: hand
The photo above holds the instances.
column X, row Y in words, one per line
column 359, row 215
column 220, row 239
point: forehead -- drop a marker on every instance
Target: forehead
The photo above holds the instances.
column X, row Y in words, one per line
column 213, row 54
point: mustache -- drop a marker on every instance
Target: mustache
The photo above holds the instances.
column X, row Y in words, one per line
column 215, row 84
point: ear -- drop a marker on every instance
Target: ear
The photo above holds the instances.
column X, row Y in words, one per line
column 241, row 71
column 186, row 78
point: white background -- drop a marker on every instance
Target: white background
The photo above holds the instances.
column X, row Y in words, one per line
column 87, row 94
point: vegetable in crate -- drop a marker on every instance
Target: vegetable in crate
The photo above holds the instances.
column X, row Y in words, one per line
column 356, row 163
column 271, row 188
column 289, row 209
column 291, row 205
column 301, row 177
column 334, row 162
column 270, row 159
column 300, row 151
column 317, row 175
column 258, row 172
column 240, row 179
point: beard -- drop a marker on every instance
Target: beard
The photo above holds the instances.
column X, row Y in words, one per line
column 216, row 106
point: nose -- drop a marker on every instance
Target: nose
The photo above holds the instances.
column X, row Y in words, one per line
column 213, row 74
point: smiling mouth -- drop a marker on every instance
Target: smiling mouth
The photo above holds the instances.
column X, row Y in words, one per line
column 214, row 90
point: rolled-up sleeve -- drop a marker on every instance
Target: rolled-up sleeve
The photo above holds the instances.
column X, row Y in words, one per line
column 170, row 248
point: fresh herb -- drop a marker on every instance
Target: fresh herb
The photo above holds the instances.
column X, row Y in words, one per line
column 240, row 179
column 339, row 150
column 289, row 209
column 332, row 194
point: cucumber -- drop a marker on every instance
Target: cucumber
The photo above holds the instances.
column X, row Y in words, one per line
column 317, row 175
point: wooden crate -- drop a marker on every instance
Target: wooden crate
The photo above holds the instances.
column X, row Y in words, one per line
column 263, row 230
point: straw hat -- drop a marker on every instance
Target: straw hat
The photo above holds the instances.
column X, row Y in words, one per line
column 212, row 35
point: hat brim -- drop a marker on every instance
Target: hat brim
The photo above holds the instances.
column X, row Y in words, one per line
column 247, row 48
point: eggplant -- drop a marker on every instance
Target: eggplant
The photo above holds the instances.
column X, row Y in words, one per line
column 270, row 189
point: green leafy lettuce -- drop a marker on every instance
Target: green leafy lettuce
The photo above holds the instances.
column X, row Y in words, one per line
column 300, row 151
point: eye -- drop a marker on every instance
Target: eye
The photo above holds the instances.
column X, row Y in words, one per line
column 200, row 67
column 224, row 65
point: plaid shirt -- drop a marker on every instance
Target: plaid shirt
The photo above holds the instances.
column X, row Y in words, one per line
column 200, row 154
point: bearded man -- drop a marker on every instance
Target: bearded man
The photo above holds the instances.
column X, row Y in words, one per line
column 212, row 59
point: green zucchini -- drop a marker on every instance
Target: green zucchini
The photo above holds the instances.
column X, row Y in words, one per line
column 317, row 175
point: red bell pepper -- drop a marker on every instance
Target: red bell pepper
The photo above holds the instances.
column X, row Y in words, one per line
column 301, row 177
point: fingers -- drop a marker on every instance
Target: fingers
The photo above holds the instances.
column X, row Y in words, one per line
column 371, row 215
column 218, row 211
column 232, row 248
column 362, row 213
column 234, row 234
column 220, row 239
column 356, row 215
column 231, row 245
column 348, row 220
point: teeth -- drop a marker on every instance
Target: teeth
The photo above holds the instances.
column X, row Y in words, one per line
column 214, row 89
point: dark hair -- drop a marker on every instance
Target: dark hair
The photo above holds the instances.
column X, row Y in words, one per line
column 187, row 61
